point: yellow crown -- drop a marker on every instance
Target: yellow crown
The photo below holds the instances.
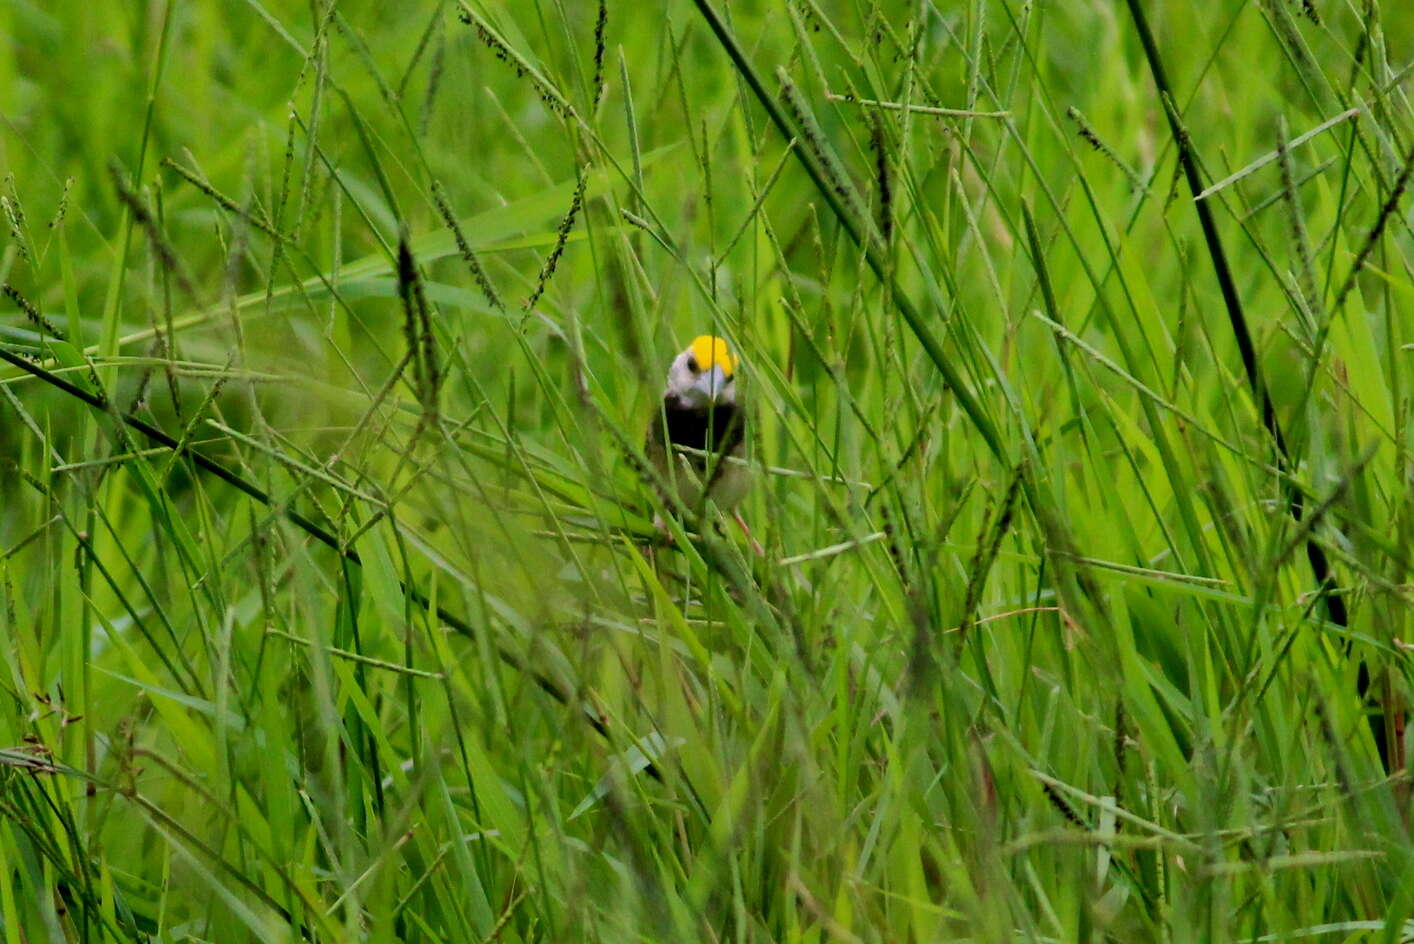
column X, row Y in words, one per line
column 711, row 352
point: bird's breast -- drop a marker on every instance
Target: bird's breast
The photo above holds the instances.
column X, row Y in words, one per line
column 711, row 429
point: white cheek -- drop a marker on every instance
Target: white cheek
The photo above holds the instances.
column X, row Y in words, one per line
column 679, row 385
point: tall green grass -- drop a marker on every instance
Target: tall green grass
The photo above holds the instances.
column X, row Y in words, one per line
column 333, row 608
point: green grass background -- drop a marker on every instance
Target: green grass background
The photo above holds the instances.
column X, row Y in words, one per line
column 1035, row 650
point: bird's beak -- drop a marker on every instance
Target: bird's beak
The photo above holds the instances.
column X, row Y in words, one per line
column 710, row 383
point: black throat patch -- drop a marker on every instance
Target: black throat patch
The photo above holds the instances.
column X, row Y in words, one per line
column 716, row 429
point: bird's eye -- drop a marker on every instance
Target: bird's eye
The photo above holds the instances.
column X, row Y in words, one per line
column 692, row 364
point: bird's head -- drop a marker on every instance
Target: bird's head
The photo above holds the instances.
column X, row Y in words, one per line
column 703, row 375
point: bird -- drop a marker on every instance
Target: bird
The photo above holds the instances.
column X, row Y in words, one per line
column 697, row 439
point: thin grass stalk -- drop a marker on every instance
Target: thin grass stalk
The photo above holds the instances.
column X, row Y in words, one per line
column 1237, row 320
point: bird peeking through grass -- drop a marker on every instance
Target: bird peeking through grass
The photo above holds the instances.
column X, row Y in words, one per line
column 697, row 439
